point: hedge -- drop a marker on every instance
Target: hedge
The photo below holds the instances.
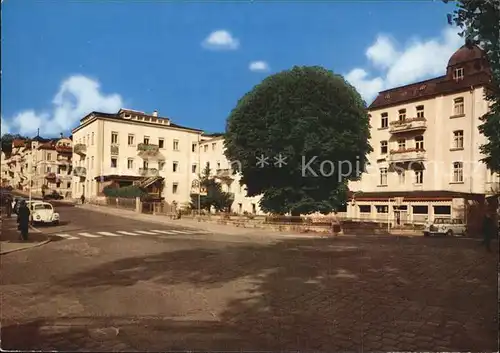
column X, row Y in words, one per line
column 127, row 192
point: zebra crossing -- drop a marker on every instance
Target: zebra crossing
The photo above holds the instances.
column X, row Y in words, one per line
column 160, row 233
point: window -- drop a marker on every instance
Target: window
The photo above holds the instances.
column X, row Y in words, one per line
column 458, row 139
column 114, row 162
column 420, row 111
column 91, row 162
column 161, row 143
column 193, row 168
column 130, row 163
column 176, row 145
column 218, row 165
column 92, row 139
column 145, row 165
column 161, row 164
column 175, row 186
column 402, row 114
column 365, row 208
column 402, row 144
column 131, row 139
column 49, row 156
column 175, row 166
column 383, row 176
column 114, row 137
column 419, row 142
column 382, row 209
column 384, row 120
column 458, row 106
column 207, row 165
column 193, row 147
column 401, row 176
column 458, row 172
column 205, row 148
column 383, row 147
column 49, row 170
column 213, row 146
column 458, row 73
column 146, row 140
column 419, row 177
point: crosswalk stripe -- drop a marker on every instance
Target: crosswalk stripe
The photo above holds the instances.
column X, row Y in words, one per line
column 88, row 235
column 67, row 236
column 126, row 233
column 110, row 234
column 144, row 232
column 162, row 231
column 180, row 232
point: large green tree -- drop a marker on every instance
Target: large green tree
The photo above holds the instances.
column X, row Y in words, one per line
column 315, row 120
column 7, row 142
column 480, row 24
column 215, row 197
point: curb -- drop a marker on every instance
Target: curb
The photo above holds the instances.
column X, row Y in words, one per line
column 26, row 248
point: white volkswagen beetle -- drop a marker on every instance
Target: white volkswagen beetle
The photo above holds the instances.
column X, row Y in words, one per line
column 43, row 212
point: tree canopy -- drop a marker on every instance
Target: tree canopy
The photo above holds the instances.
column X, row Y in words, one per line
column 7, row 142
column 215, row 198
column 316, row 121
column 480, row 24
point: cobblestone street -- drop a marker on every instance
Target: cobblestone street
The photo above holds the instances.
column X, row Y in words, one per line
column 325, row 294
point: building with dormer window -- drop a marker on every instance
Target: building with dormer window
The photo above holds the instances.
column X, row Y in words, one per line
column 425, row 139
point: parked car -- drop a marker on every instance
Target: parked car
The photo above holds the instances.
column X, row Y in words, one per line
column 43, row 212
column 54, row 195
column 446, row 226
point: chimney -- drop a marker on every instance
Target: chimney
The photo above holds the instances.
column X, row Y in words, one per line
column 155, row 113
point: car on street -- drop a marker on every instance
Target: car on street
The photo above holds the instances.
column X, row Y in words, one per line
column 43, row 212
column 446, row 226
column 54, row 195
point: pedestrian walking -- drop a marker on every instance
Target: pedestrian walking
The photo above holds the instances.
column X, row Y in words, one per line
column 8, row 207
column 82, row 198
column 23, row 219
column 488, row 230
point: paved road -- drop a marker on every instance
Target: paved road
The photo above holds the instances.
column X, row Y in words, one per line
column 135, row 293
column 81, row 224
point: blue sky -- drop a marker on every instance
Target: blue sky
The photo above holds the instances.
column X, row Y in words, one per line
column 61, row 60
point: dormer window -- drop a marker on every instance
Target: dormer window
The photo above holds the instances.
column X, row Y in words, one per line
column 458, row 73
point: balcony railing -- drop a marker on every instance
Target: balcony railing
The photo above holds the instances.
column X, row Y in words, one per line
column 80, row 148
column 115, row 150
column 146, row 147
column 64, row 149
column 408, row 125
column 148, row 172
column 50, row 176
column 63, row 158
column 80, row 171
column 407, row 155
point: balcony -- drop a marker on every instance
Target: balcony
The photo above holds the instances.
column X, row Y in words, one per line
column 80, row 171
column 50, row 176
column 64, row 148
column 80, row 149
column 148, row 172
column 407, row 155
column 412, row 124
column 63, row 158
column 146, row 147
column 114, row 150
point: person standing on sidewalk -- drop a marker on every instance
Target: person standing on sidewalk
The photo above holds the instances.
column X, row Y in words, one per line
column 8, row 207
column 488, row 230
column 82, row 198
column 23, row 218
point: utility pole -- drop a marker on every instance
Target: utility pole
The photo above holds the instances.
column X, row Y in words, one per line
column 30, row 163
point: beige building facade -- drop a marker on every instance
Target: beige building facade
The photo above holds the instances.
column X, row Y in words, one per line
column 426, row 157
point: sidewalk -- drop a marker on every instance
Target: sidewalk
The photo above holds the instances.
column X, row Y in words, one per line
column 199, row 225
column 10, row 238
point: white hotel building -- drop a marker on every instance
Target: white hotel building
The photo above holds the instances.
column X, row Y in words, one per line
column 134, row 147
column 425, row 139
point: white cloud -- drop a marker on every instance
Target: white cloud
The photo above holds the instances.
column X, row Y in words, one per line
column 221, row 40
column 259, row 66
column 77, row 96
column 4, row 126
column 420, row 59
